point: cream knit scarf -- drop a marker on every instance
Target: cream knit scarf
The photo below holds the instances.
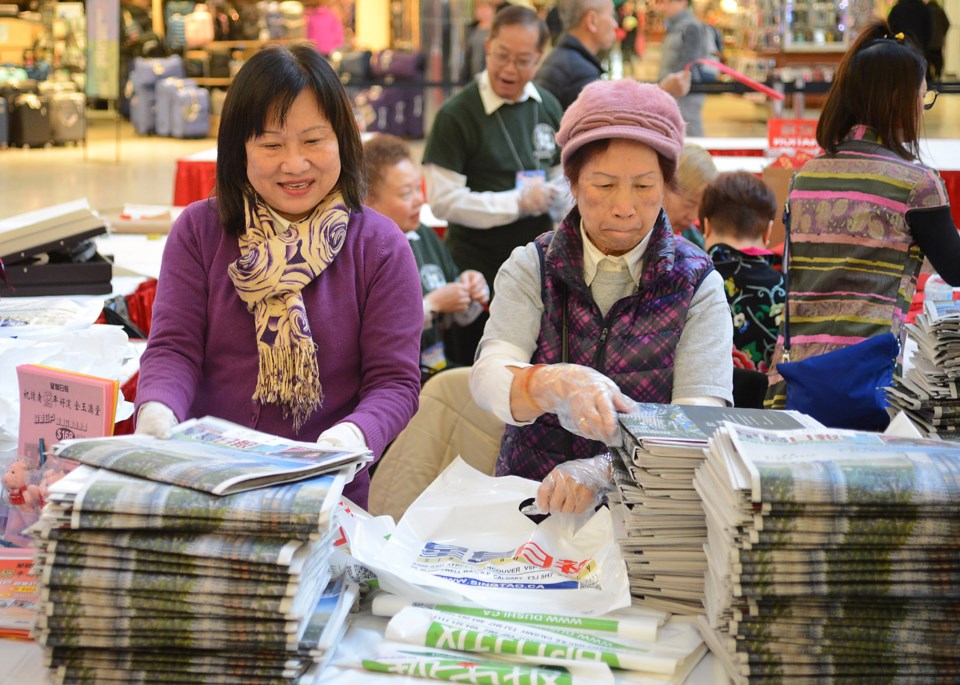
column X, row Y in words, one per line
column 274, row 267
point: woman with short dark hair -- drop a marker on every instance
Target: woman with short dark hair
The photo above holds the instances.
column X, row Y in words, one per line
column 864, row 213
column 276, row 297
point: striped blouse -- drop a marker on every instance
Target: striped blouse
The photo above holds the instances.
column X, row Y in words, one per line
column 853, row 262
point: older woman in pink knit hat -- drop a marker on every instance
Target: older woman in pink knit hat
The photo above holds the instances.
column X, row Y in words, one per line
column 607, row 310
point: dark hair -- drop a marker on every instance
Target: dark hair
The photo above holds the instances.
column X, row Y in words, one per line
column 380, row 153
column 514, row 15
column 265, row 86
column 738, row 204
column 877, row 85
column 575, row 162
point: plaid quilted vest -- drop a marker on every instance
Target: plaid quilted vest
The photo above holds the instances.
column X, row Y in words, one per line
column 634, row 345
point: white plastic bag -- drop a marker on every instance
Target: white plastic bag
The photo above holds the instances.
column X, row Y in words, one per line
column 465, row 538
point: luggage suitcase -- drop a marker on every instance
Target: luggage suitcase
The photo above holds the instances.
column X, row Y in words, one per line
column 29, row 121
column 10, row 73
column 51, row 87
column 415, row 113
column 191, row 113
column 176, row 37
column 4, row 124
column 144, row 77
column 198, row 27
column 68, row 117
column 142, row 112
column 219, row 63
column 166, row 94
column 294, row 22
column 272, row 20
column 396, row 65
column 249, row 22
column 381, row 110
column 197, row 67
column 355, row 66
column 404, row 69
column 174, row 15
column 14, row 87
column 147, row 71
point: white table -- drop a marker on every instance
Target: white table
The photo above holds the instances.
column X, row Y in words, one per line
column 22, row 662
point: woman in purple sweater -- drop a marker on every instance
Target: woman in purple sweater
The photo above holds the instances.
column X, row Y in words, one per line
column 283, row 305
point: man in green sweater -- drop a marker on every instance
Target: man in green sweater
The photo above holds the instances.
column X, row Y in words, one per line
column 491, row 162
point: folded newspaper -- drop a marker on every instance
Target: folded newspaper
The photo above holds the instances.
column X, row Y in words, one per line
column 831, row 555
column 212, row 455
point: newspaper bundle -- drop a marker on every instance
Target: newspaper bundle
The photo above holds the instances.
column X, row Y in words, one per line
column 929, row 392
column 147, row 581
column 831, row 556
column 661, row 527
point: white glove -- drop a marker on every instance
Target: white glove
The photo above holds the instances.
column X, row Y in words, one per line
column 343, row 436
column 576, row 486
column 536, row 198
column 585, row 401
column 156, row 419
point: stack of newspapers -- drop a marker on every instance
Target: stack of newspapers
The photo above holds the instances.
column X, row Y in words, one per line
column 660, row 520
column 832, row 556
column 929, row 391
column 200, row 559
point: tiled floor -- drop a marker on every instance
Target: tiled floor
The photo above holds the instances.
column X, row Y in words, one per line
column 141, row 170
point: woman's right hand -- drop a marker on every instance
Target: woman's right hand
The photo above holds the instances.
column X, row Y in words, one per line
column 585, row 401
column 450, row 298
column 155, row 419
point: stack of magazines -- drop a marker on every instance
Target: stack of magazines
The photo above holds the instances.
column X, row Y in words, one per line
column 832, row 556
column 200, row 559
column 929, row 392
column 661, row 527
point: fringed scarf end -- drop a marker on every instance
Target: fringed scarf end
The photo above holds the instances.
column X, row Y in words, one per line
column 290, row 378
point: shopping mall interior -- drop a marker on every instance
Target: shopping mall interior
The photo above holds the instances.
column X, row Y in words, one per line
column 118, row 166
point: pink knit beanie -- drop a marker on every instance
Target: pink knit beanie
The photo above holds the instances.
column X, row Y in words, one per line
column 623, row 109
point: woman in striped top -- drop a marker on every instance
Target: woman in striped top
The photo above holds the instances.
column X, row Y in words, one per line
column 864, row 213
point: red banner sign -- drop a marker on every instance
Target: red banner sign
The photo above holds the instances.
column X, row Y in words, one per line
column 793, row 135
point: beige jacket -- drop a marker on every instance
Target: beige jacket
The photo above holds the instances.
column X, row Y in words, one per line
column 448, row 423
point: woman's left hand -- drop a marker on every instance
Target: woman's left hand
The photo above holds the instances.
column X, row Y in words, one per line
column 575, row 486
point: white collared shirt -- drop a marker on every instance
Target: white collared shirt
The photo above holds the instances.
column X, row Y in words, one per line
column 492, row 102
column 592, row 256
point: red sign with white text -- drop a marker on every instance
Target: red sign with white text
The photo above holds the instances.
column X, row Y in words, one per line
column 793, row 135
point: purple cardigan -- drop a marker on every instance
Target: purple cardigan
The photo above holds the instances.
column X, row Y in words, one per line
column 365, row 311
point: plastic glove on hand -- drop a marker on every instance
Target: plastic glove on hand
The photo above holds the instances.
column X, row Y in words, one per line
column 155, row 419
column 585, row 401
column 536, row 198
column 576, row 486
